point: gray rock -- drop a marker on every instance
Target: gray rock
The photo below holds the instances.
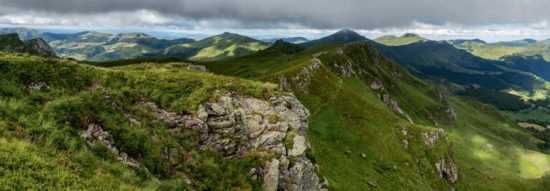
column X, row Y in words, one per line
column 199, row 68
column 447, row 169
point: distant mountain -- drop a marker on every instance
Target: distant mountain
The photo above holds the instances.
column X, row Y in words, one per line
column 392, row 40
column 13, row 43
column 282, row 47
column 295, row 40
column 24, row 33
column 498, row 50
column 342, row 36
column 516, row 43
column 441, row 60
column 217, row 47
column 97, row 46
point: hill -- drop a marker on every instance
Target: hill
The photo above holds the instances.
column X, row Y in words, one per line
column 342, row 36
column 12, row 43
column 97, row 46
column 369, row 117
column 498, row 50
column 149, row 126
column 392, row 40
column 217, row 47
column 295, row 40
column 282, row 47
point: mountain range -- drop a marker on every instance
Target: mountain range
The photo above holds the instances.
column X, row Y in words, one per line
column 230, row 112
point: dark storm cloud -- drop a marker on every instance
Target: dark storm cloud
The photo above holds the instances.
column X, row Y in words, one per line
column 313, row 13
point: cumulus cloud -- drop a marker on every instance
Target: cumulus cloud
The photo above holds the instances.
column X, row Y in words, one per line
column 312, row 18
column 313, row 13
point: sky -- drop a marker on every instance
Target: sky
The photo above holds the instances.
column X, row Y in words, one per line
column 490, row 20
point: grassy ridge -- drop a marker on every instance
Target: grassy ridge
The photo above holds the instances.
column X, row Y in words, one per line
column 46, row 103
column 349, row 120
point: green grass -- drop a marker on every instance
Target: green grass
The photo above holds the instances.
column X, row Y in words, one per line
column 392, row 40
column 43, row 125
column 349, row 119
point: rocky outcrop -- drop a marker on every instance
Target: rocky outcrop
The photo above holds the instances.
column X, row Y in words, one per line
column 303, row 78
column 234, row 126
column 199, row 68
column 96, row 135
column 39, row 47
column 432, row 137
column 12, row 43
column 446, row 168
column 395, row 107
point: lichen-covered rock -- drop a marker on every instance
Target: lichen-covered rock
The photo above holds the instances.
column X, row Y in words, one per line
column 431, row 138
column 447, row 169
column 233, row 126
column 199, row 68
column 394, row 105
column 96, row 133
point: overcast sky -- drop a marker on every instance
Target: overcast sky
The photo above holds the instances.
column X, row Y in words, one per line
column 486, row 19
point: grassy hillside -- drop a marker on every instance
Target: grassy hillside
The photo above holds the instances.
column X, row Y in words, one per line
column 358, row 139
column 47, row 104
column 392, row 40
column 498, row 50
column 217, row 47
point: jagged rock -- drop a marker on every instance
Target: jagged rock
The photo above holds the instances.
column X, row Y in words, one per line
column 431, row 138
column 199, row 68
column 299, row 147
column 96, row 133
column 395, row 107
column 447, row 169
column 303, row 78
column 233, row 126
column 38, row 86
column 271, row 179
column 376, row 85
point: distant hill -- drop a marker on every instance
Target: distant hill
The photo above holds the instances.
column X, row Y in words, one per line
column 12, row 43
column 217, row 47
column 97, row 46
column 516, row 43
column 342, row 36
column 392, row 40
column 282, row 47
column 443, row 61
column 498, row 50
column 295, row 40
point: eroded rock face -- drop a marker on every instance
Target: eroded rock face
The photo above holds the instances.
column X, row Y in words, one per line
column 234, row 125
column 96, row 133
column 431, row 138
column 446, row 168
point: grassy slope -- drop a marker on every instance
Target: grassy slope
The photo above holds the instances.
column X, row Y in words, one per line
column 392, row 40
column 496, row 51
column 41, row 126
column 218, row 47
column 349, row 119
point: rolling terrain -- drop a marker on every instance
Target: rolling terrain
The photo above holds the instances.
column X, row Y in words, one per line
column 339, row 113
column 361, row 99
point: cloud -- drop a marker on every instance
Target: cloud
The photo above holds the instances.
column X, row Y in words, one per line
column 310, row 13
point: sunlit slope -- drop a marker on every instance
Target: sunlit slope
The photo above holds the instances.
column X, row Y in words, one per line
column 344, row 86
column 47, row 105
column 221, row 46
